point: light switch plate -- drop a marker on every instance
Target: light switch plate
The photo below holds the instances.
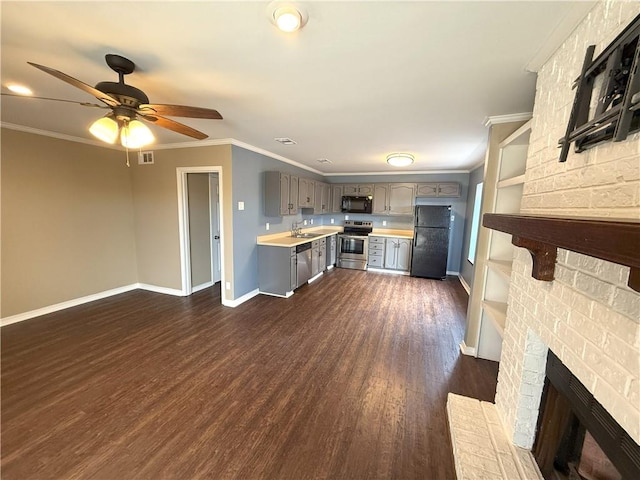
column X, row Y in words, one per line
column 240, row 205
column 332, row 221
column 267, row 227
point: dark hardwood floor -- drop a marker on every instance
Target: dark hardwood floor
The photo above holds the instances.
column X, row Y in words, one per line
column 347, row 379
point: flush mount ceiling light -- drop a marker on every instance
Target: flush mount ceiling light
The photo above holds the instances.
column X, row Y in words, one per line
column 288, row 17
column 400, row 159
column 19, row 89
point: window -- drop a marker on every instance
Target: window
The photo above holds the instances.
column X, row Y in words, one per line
column 475, row 223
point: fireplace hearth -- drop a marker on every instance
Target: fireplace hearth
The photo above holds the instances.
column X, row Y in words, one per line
column 577, row 438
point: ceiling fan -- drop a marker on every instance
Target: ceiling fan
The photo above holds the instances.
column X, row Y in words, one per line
column 128, row 104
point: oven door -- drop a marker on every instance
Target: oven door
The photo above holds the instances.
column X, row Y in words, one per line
column 352, row 251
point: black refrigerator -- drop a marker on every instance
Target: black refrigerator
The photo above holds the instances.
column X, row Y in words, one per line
column 430, row 241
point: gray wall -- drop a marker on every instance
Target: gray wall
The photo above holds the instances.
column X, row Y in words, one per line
column 248, row 187
column 466, row 268
column 458, row 207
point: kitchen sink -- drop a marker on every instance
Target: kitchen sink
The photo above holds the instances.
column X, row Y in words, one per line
column 306, row 235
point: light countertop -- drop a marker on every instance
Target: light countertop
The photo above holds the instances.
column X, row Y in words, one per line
column 388, row 232
column 284, row 239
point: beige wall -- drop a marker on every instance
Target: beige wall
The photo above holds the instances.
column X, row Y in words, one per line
column 199, row 228
column 156, row 212
column 67, row 221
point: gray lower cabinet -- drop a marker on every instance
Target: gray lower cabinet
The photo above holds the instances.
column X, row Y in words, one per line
column 331, row 250
column 389, row 253
column 375, row 257
column 315, row 258
column 277, row 269
column 398, row 254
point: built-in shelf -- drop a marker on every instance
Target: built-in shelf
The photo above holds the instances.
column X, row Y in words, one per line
column 497, row 312
column 613, row 240
column 503, row 267
column 510, row 182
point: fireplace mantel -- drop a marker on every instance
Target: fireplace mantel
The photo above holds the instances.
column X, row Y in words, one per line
column 613, row 240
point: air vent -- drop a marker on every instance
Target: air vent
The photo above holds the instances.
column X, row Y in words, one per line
column 324, row 160
column 285, row 141
column 145, row 158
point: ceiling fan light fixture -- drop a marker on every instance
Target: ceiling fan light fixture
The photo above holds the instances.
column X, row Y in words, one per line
column 105, row 129
column 19, row 89
column 135, row 134
column 400, row 159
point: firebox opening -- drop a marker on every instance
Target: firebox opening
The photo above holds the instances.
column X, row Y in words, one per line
column 576, row 437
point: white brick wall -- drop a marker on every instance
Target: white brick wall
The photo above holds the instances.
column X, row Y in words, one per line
column 587, row 315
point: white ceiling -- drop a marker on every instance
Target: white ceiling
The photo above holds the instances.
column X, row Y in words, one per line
column 359, row 81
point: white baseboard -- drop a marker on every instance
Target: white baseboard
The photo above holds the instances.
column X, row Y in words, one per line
column 247, row 296
column 384, row 270
column 465, row 285
column 313, row 279
column 470, row 351
column 167, row 291
column 202, row 286
column 287, row 295
column 68, row 304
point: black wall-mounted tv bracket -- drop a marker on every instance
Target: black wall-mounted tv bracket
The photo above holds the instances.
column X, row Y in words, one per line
column 617, row 113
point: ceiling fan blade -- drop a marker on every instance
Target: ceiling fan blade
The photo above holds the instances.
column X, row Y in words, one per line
column 175, row 126
column 103, row 97
column 179, row 111
column 84, row 104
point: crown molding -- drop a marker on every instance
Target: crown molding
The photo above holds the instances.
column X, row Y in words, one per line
column 223, row 141
column 387, row 174
column 513, row 117
column 59, row 136
column 565, row 27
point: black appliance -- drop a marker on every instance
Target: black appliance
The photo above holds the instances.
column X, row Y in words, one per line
column 430, row 241
column 353, row 244
column 357, row 204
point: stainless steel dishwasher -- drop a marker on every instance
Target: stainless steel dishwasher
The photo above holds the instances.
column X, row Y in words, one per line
column 303, row 257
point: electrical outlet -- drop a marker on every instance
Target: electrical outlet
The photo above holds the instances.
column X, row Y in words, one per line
column 240, row 205
column 228, row 285
column 332, row 221
column 304, row 222
column 346, row 217
column 384, row 223
column 311, row 221
column 267, row 227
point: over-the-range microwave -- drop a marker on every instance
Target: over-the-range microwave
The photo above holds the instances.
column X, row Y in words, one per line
column 357, row 204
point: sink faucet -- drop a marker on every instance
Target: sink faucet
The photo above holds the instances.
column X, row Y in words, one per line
column 295, row 229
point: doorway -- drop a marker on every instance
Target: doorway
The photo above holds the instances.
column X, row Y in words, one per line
column 200, row 220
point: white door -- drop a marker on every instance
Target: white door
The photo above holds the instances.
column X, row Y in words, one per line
column 214, row 197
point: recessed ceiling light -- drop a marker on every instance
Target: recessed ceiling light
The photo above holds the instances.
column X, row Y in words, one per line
column 19, row 89
column 285, row 141
column 400, row 159
column 287, row 16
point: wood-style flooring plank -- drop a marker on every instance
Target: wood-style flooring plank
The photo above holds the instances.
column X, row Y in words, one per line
column 347, row 379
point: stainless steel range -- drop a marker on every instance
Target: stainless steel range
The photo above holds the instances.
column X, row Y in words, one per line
column 353, row 244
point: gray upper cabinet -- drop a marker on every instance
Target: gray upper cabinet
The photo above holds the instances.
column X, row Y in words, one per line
column 443, row 189
column 306, row 197
column 355, row 190
column 336, row 198
column 394, row 198
column 280, row 194
column 322, row 198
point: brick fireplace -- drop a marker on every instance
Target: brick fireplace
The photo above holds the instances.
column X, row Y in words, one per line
column 587, row 316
